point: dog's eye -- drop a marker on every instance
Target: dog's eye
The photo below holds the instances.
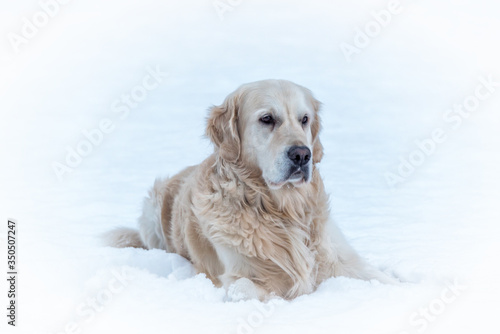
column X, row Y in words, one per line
column 267, row 119
column 305, row 120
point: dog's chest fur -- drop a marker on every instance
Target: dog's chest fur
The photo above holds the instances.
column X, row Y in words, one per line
column 276, row 233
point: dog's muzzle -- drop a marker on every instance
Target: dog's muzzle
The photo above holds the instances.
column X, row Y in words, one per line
column 299, row 156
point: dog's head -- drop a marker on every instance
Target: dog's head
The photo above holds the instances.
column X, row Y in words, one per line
column 271, row 125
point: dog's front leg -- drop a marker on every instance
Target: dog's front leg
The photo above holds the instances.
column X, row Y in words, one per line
column 347, row 262
column 236, row 277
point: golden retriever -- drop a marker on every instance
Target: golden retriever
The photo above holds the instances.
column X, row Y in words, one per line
column 253, row 216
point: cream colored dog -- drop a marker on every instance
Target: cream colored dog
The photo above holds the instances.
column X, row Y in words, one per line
column 253, row 216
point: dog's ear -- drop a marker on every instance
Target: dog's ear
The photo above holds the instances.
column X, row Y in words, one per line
column 315, row 129
column 222, row 128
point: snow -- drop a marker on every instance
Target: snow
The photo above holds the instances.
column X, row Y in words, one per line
column 438, row 230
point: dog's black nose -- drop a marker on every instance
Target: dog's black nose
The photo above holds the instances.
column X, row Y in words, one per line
column 300, row 155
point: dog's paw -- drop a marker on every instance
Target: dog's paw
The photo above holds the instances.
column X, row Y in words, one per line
column 382, row 276
column 242, row 289
column 386, row 278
